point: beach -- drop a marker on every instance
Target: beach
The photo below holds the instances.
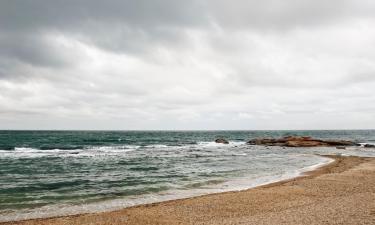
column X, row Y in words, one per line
column 187, row 112
column 342, row 192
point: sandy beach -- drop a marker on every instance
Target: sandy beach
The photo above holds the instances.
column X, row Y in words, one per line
column 199, row 112
column 340, row 193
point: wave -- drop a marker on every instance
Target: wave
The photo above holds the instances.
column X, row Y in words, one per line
column 214, row 144
column 25, row 152
column 366, row 143
column 28, row 152
column 192, row 190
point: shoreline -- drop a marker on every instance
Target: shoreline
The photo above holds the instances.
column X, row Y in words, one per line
column 133, row 214
column 189, row 195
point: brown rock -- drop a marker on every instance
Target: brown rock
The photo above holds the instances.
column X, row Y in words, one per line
column 305, row 138
column 298, row 141
column 251, row 142
column 221, row 141
column 340, row 143
column 302, row 143
column 369, row 146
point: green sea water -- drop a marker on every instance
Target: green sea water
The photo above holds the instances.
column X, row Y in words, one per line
column 47, row 173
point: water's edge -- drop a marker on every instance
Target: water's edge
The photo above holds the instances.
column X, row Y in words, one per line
column 118, row 204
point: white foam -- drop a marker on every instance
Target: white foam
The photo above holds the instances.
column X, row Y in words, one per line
column 251, row 182
column 110, row 205
column 316, row 166
column 215, row 145
column 20, row 152
column 92, row 151
column 366, row 143
column 157, row 146
column 35, row 153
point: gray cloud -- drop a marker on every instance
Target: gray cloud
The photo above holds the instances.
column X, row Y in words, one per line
column 30, row 48
column 170, row 64
column 18, row 14
column 122, row 26
column 276, row 15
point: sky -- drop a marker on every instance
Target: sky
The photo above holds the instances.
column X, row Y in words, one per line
column 187, row 65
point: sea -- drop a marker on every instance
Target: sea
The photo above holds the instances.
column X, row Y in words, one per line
column 55, row 173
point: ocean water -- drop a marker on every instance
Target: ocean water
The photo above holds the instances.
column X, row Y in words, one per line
column 51, row 173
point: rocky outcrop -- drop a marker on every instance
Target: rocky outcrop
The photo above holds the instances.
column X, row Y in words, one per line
column 298, row 141
column 369, row 146
column 221, row 141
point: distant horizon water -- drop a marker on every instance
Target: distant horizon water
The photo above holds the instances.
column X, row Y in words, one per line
column 357, row 129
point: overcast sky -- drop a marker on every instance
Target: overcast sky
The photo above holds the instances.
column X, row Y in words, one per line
column 198, row 64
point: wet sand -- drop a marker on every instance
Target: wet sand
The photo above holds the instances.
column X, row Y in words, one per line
column 340, row 193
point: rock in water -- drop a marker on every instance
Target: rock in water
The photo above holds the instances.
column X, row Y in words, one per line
column 369, row 146
column 251, row 142
column 339, row 143
column 297, row 141
column 221, row 141
column 303, row 143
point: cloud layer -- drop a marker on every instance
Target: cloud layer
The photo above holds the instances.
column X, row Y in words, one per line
column 168, row 64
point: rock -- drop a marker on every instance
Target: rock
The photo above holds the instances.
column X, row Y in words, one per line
column 340, row 147
column 340, row 143
column 302, row 143
column 369, row 146
column 298, row 141
column 221, row 141
column 258, row 142
column 306, row 138
column 251, row 142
